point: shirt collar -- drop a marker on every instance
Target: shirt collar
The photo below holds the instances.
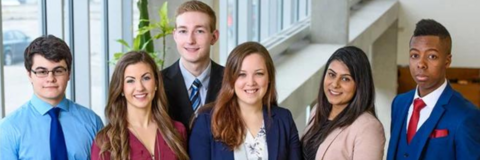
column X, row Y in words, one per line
column 432, row 98
column 43, row 107
column 189, row 77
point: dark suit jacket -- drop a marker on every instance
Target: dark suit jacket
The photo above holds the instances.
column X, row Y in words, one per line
column 452, row 112
column 179, row 106
column 282, row 138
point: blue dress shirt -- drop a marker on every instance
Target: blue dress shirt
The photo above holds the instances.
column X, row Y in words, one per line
column 204, row 78
column 25, row 133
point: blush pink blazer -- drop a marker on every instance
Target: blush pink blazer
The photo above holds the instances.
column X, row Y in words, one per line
column 363, row 139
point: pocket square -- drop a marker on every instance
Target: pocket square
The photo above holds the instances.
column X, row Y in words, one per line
column 439, row 133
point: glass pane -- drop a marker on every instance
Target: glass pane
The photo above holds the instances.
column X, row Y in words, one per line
column 255, row 19
column 136, row 15
column 96, row 57
column 302, row 9
column 231, row 24
column 285, row 9
column 21, row 24
column 309, row 7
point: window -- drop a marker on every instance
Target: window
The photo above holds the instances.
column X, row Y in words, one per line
column 20, row 24
column 231, row 24
column 90, row 27
column 257, row 20
column 136, row 15
column 98, row 58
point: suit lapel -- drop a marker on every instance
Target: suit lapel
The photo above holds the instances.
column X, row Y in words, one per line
column 224, row 152
column 272, row 133
column 216, row 76
column 404, row 105
column 179, row 90
column 328, row 141
column 426, row 129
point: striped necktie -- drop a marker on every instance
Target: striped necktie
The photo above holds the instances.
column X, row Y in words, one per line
column 195, row 94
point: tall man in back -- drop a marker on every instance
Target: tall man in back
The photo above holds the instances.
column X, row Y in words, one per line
column 194, row 80
column 433, row 121
column 49, row 126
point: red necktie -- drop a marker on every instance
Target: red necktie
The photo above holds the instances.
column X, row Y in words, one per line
column 418, row 105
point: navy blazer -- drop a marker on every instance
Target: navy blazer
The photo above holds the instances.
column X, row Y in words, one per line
column 179, row 106
column 282, row 138
column 452, row 112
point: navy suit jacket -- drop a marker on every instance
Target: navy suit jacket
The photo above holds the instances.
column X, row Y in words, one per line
column 179, row 105
column 282, row 138
column 452, row 112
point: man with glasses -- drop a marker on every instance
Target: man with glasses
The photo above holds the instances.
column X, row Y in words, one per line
column 49, row 126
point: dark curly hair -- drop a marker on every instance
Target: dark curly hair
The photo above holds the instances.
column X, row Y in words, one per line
column 49, row 47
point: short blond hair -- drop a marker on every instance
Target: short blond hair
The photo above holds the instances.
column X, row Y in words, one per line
column 198, row 6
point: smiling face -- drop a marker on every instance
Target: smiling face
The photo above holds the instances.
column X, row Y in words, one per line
column 252, row 82
column 139, row 85
column 50, row 89
column 194, row 37
column 428, row 62
column 339, row 86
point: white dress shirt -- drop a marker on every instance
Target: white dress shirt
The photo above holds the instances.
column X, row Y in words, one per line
column 430, row 101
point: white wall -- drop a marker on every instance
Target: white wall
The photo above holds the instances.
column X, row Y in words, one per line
column 460, row 17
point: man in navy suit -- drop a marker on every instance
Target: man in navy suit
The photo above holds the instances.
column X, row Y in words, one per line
column 195, row 79
column 433, row 121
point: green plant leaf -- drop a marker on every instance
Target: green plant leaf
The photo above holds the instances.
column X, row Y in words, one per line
column 164, row 14
column 144, row 20
column 144, row 40
column 144, row 35
column 145, row 29
column 124, row 43
column 146, row 44
column 169, row 30
column 118, row 55
column 136, row 43
column 160, row 35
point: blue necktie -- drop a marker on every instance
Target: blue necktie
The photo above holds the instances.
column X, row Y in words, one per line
column 195, row 95
column 58, row 149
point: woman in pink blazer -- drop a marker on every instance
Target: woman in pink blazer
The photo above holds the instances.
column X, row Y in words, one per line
column 344, row 124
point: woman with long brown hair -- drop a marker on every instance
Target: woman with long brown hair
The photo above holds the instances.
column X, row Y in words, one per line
column 139, row 126
column 245, row 121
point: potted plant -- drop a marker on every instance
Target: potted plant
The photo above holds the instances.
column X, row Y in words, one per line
column 143, row 40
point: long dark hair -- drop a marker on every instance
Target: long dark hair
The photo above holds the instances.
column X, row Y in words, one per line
column 362, row 101
column 227, row 123
column 114, row 137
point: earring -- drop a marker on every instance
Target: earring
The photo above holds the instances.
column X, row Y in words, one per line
column 123, row 95
column 155, row 88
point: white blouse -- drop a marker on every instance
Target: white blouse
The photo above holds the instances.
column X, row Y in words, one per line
column 254, row 148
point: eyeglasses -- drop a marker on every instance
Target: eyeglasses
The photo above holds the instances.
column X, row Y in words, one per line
column 42, row 73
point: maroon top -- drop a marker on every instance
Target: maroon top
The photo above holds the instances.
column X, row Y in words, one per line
column 140, row 152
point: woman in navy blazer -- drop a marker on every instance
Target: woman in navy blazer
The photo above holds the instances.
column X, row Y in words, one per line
column 245, row 121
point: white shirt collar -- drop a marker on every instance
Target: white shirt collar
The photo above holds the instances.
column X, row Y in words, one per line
column 432, row 98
